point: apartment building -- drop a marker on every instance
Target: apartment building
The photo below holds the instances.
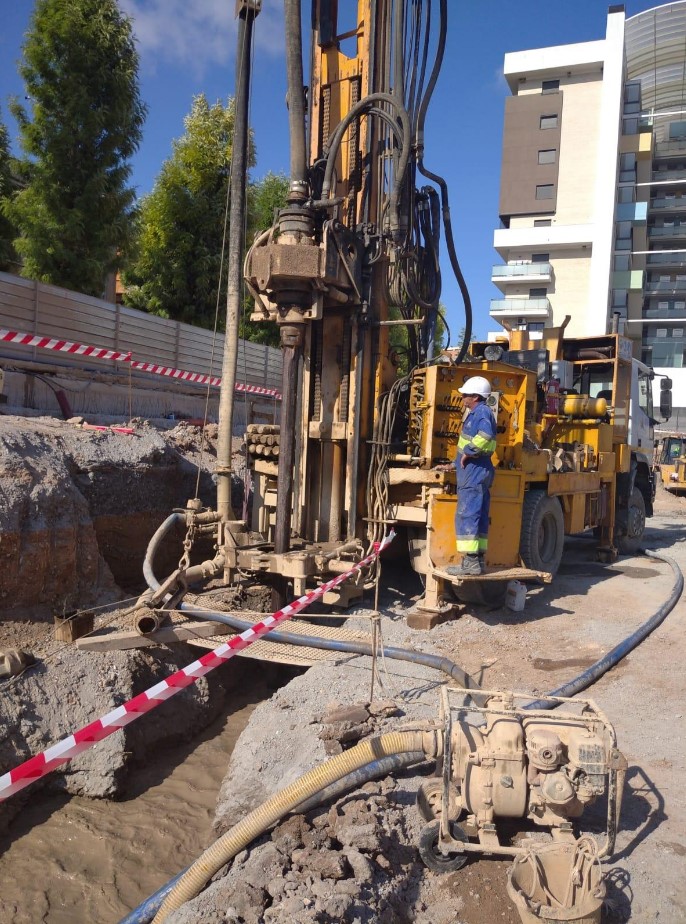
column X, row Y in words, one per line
column 593, row 189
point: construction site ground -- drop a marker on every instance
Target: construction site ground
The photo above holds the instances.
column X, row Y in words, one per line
column 69, row 858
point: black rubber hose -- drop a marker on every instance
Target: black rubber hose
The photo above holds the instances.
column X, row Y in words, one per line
column 378, row 768
column 602, row 666
column 435, row 662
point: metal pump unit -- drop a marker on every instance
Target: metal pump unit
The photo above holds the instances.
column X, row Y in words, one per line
column 543, row 766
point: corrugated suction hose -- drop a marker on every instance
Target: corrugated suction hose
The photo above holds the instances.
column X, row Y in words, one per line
column 267, row 814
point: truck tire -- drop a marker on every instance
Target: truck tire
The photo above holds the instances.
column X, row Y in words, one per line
column 631, row 524
column 543, row 532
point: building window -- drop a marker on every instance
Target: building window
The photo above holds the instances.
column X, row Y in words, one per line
column 625, row 194
column 538, row 292
column 535, row 326
column 546, row 191
column 548, row 121
column 542, row 222
column 540, row 258
column 622, row 262
column 548, row 156
column 550, row 86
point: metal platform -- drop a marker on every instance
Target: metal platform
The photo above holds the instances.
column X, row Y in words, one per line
column 497, row 574
column 208, row 635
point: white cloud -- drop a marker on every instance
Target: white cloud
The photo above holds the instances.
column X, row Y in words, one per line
column 201, row 33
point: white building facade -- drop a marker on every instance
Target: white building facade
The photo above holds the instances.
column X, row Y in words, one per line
column 593, row 190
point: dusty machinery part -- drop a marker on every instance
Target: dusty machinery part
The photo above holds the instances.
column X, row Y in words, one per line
column 13, row 662
column 543, row 531
column 430, row 797
column 147, row 620
column 448, row 860
column 631, row 523
column 542, row 766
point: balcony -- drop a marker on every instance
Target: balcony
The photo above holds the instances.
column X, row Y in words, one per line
column 524, row 272
column 665, row 287
column 673, row 231
column 667, row 176
column 666, row 258
column 529, row 309
column 669, row 205
column 665, row 149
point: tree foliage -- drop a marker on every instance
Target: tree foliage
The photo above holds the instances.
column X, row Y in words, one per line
column 8, row 256
column 74, row 213
column 176, row 269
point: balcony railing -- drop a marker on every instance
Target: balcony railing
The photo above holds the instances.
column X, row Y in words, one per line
column 675, row 231
column 665, row 287
column 521, row 271
column 670, row 148
column 667, row 176
column 669, row 205
column 530, row 308
column 666, row 258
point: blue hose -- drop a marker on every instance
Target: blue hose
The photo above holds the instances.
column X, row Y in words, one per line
column 144, row 913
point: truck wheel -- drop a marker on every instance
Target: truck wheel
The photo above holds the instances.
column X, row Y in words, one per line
column 543, row 532
column 631, row 524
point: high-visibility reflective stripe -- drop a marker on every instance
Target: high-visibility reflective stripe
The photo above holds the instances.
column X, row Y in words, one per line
column 468, row 546
column 483, row 545
column 478, row 443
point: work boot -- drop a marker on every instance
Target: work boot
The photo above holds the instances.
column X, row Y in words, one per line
column 470, row 564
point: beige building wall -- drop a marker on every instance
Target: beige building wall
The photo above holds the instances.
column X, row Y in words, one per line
column 578, row 162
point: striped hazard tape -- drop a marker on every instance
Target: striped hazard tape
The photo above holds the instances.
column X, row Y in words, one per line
column 82, row 349
column 43, row 763
column 62, row 346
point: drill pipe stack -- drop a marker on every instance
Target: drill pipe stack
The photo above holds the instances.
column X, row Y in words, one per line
column 262, row 441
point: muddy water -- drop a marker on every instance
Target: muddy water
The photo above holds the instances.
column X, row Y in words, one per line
column 73, row 860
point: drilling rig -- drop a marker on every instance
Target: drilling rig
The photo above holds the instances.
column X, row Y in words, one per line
column 366, row 426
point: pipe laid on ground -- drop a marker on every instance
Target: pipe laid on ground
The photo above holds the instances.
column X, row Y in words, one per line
column 271, row 811
column 435, row 662
column 595, row 671
column 378, row 768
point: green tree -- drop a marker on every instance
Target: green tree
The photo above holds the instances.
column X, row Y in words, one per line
column 8, row 256
column 74, row 214
column 177, row 265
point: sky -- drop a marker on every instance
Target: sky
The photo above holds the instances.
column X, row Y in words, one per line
column 186, row 47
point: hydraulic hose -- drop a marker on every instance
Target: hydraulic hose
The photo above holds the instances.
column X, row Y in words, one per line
column 267, row 814
column 595, row 671
column 435, row 662
column 153, row 547
column 382, row 767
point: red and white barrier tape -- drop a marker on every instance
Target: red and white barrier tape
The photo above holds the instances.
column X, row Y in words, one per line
column 62, row 346
column 81, row 349
column 43, row 763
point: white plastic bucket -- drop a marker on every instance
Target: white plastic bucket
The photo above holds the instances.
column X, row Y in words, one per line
column 515, row 596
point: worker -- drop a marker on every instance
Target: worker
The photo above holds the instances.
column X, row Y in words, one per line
column 474, row 477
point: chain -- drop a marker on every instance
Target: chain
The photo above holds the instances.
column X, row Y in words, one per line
column 185, row 560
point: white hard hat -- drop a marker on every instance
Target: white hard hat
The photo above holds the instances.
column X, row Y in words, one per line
column 476, row 385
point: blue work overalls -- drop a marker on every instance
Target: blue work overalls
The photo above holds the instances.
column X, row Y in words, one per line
column 477, row 442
